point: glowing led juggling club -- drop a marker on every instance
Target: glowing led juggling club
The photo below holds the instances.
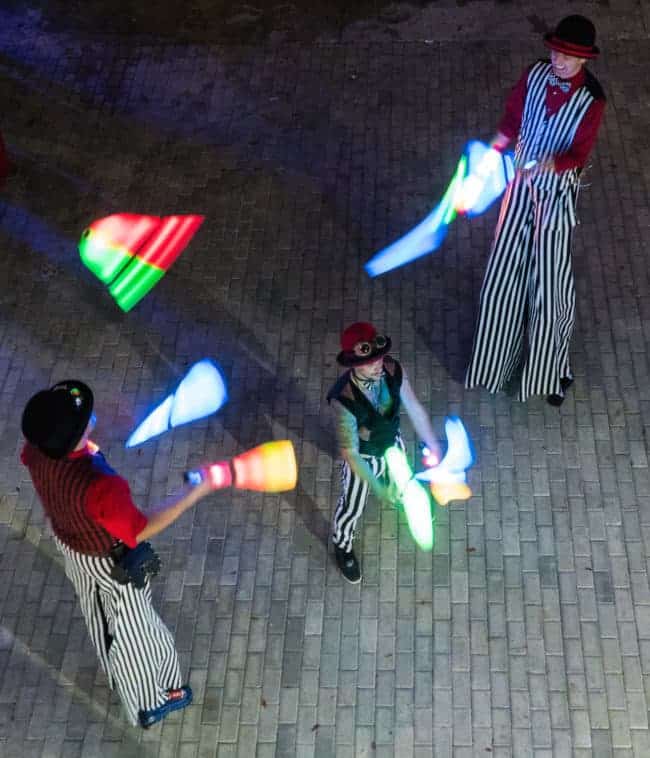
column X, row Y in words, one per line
column 487, row 176
column 424, row 238
column 480, row 178
column 413, row 496
column 270, row 467
column 201, row 393
column 448, row 479
column 131, row 252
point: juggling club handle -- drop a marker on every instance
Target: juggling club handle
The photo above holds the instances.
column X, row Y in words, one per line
column 269, row 467
column 428, row 458
column 219, row 474
column 194, row 477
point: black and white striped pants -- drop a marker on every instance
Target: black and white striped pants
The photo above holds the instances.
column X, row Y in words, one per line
column 527, row 306
column 353, row 498
column 135, row 648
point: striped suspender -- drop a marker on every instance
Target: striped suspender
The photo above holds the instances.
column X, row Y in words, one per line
column 543, row 136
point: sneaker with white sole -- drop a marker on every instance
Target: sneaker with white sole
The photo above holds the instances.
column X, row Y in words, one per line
column 348, row 564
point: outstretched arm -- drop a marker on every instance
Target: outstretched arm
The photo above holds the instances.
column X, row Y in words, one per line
column 165, row 514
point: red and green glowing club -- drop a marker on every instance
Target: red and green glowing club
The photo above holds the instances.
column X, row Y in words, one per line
column 270, row 467
column 201, row 393
column 480, row 178
column 131, row 252
column 413, row 496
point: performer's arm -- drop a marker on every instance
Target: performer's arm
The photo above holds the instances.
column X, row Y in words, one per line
column 419, row 417
column 576, row 156
column 109, row 503
column 510, row 123
column 165, row 514
column 499, row 142
column 347, row 433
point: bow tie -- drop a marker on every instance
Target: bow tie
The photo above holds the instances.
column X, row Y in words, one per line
column 368, row 384
column 555, row 81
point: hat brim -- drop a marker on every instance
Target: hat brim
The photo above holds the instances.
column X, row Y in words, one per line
column 350, row 360
column 575, row 51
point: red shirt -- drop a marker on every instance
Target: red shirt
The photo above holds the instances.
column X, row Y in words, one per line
column 108, row 499
column 109, row 503
column 577, row 155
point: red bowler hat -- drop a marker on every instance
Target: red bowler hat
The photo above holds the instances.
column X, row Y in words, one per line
column 361, row 344
column 575, row 36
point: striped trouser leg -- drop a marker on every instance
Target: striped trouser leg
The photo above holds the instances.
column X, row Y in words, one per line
column 87, row 574
column 352, row 501
column 552, row 311
column 500, row 329
column 135, row 647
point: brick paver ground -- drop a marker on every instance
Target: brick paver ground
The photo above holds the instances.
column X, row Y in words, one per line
column 309, row 142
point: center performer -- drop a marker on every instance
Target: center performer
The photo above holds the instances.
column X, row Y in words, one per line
column 367, row 400
column 527, row 305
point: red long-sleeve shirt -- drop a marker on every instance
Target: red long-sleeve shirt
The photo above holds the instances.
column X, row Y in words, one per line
column 88, row 504
column 577, row 155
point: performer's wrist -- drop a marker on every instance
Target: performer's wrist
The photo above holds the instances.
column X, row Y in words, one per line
column 500, row 142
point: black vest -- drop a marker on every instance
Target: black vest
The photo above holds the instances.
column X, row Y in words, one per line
column 376, row 432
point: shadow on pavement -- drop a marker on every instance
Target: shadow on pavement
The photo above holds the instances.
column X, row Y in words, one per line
column 223, row 21
column 46, row 654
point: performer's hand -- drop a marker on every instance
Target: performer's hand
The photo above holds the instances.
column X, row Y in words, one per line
column 499, row 142
column 537, row 167
column 394, row 494
column 431, row 453
column 388, row 494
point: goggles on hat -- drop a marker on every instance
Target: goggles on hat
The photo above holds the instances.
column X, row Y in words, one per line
column 361, row 349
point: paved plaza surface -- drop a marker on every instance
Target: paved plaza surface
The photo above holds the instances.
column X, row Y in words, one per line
column 310, row 135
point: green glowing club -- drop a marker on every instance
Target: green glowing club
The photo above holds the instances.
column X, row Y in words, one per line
column 413, row 497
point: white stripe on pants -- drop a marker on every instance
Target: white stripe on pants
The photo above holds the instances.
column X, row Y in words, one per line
column 527, row 306
column 135, row 648
column 353, row 498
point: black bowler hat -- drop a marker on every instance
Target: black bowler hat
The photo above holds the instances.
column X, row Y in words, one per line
column 54, row 420
column 574, row 35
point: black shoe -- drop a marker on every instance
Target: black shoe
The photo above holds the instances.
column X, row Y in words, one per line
column 348, row 564
column 557, row 400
